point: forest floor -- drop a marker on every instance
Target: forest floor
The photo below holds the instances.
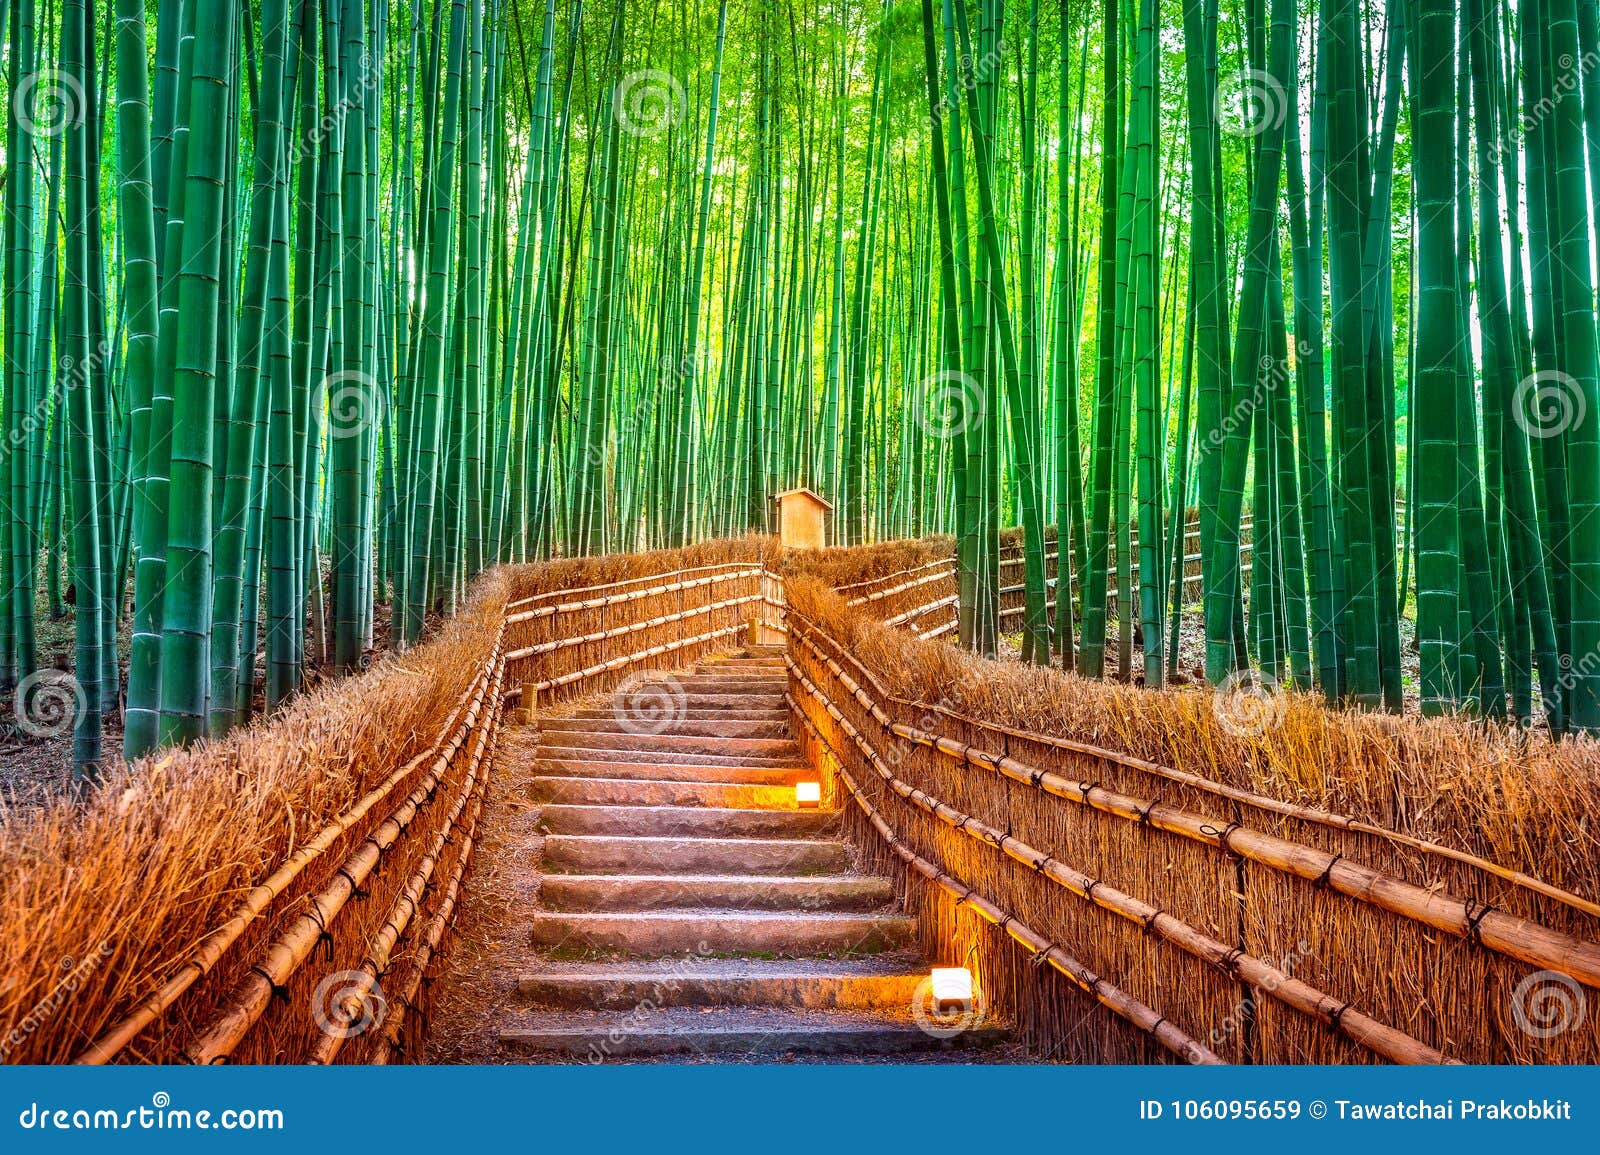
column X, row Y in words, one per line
column 36, row 766
column 1192, row 655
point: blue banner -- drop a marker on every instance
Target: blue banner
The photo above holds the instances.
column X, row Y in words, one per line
column 797, row 1107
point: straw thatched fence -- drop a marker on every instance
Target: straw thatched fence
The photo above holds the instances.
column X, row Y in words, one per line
column 1205, row 888
column 286, row 895
column 1131, row 876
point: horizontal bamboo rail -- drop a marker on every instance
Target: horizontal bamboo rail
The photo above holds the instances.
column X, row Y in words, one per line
column 254, row 991
column 1142, row 1016
column 1338, row 1015
column 515, row 606
column 380, row 951
column 1463, row 918
column 1311, row 814
column 212, row 948
column 630, row 596
column 631, row 627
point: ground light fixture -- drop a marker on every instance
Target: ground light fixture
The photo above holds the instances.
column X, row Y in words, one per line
column 807, row 795
column 952, row 989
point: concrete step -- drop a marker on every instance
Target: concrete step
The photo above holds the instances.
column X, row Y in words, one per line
column 766, row 686
column 731, row 713
column 562, row 752
column 876, row 983
column 673, row 724
column 615, row 892
column 641, row 741
column 721, row 931
column 689, row 821
column 688, row 772
column 736, row 1032
column 660, row 792
column 608, row 854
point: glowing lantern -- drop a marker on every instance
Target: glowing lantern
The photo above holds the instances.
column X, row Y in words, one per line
column 952, row 988
column 807, row 794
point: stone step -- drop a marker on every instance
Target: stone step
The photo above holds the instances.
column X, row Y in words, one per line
column 609, row 854
column 721, row 931
column 545, row 753
column 732, row 684
column 615, row 892
column 633, row 792
column 642, row 741
column 695, row 714
column 673, row 724
column 689, row 772
column 716, row 700
column 689, row 821
column 879, row 982
column 745, row 1033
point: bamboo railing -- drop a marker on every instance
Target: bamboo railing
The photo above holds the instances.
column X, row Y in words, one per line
column 911, row 767
column 1160, row 895
column 329, row 958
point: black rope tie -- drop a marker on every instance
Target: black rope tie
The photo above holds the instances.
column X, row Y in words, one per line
column 1230, row 961
column 1321, row 881
column 1476, row 911
column 278, row 990
column 1222, row 836
column 1149, row 920
column 1088, row 890
column 1144, row 815
column 1336, row 1018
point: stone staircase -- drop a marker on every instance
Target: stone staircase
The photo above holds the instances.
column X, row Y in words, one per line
column 689, row 906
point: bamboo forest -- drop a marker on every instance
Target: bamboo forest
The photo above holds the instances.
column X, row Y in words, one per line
column 314, row 310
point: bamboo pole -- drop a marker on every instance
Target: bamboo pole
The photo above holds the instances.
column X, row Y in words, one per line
column 1339, row 1015
column 253, row 993
column 1259, row 801
column 1157, row 1026
column 212, row 948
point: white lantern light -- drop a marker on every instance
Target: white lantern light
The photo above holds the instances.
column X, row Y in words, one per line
column 952, row 988
column 807, row 794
